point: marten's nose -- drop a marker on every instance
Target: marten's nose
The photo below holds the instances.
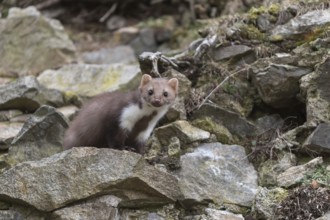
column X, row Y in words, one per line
column 156, row 103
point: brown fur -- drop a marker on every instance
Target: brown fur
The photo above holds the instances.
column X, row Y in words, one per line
column 97, row 124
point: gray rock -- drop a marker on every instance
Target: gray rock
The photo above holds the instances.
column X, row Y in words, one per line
column 41, row 136
column 315, row 88
column 302, row 24
column 228, row 52
column 293, row 175
column 218, row 173
column 27, row 94
column 79, row 173
column 76, row 79
column 100, row 208
column 319, row 140
column 267, row 200
column 119, row 54
column 278, row 85
column 186, row 133
column 32, row 43
column 8, row 131
column 213, row 214
column 236, row 124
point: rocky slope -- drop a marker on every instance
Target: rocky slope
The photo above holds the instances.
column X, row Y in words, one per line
column 247, row 137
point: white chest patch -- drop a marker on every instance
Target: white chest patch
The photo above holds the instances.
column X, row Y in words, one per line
column 132, row 114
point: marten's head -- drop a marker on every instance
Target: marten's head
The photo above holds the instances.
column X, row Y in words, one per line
column 158, row 92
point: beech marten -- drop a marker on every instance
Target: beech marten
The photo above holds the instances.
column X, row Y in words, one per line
column 118, row 120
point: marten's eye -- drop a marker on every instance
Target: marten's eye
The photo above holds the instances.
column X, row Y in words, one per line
column 165, row 94
column 150, row 92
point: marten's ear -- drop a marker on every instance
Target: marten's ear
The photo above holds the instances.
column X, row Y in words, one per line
column 174, row 84
column 145, row 80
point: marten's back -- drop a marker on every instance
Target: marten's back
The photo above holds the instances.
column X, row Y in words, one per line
column 96, row 120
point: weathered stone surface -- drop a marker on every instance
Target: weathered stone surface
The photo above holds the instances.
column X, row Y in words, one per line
column 302, row 24
column 41, row 136
column 270, row 169
column 79, row 173
column 227, row 52
column 100, row 208
column 278, row 85
column 236, row 124
column 267, row 200
column 119, row 54
column 183, row 130
column 315, row 88
column 218, row 173
column 7, row 133
column 76, row 79
column 32, row 43
column 27, row 94
column 213, row 214
column 293, row 175
column 319, row 140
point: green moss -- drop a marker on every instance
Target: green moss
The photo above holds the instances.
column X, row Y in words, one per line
column 222, row 134
column 274, row 9
column 278, row 194
column 251, row 32
column 254, row 13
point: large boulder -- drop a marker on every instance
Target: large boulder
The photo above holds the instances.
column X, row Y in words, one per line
column 80, row 173
column 218, row 173
column 75, row 79
column 31, row 43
